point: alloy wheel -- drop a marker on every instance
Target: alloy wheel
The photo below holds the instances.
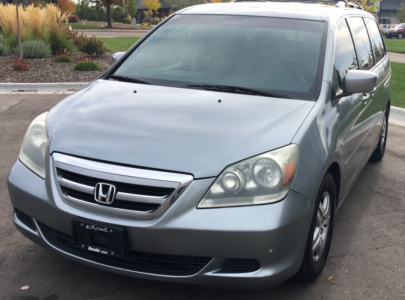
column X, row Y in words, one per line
column 321, row 227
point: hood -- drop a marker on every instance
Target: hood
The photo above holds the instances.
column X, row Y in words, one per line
column 173, row 129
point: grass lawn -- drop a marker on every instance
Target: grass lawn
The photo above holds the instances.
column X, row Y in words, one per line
column 117, row 44
column 80, row 25
column 398, row 84
column 395, row 45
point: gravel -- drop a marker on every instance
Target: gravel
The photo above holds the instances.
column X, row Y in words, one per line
column 45, row 70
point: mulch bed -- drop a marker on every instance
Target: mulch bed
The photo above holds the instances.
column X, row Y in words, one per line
column 45, row 70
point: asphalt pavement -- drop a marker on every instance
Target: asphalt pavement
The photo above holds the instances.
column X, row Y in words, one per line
column 367, row 257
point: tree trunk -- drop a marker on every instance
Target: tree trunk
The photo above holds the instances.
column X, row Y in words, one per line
column 19, row 32
column 109, row 24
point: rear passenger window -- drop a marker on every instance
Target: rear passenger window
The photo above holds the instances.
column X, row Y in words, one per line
column 362, row 42
column 376, row 40
column 345, row 56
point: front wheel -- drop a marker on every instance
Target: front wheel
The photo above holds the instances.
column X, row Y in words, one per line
column 320, row 233
column 400, row 36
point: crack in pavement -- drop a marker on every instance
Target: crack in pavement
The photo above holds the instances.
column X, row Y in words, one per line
column 367, row 250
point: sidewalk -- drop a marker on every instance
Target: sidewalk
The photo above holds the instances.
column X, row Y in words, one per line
column 397, row 57
column 114, row 32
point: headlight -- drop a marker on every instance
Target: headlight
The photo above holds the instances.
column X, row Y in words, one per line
column 33, row 148
column 262, row 179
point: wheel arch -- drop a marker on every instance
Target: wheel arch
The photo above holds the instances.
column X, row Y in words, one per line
column 334, row 169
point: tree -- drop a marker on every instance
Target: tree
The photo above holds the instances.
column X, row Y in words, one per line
column 67, row 6
column 180, row 4
column 401, row 13
column 107, row 4
column 131, row 8
column 152, row 5
column 119, row 14
column 368, row 5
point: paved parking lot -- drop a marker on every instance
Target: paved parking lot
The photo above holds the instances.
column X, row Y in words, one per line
column 367, row 257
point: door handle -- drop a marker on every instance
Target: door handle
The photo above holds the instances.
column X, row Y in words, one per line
column 365, row 97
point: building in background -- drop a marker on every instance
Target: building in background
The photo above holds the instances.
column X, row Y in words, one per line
column 162, row 12
column 389, row 10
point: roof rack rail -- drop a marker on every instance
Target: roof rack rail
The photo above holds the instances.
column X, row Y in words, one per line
column 338, row 2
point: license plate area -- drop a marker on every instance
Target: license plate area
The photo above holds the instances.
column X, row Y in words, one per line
column 98, row 238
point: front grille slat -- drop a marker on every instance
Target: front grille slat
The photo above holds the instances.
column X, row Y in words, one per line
column 140, row 198
column 136, row 206
column 163, row 264
column 76, row 185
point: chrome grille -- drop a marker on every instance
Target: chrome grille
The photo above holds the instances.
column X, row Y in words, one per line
column 139, row 193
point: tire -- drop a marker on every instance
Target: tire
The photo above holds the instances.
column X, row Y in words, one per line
column 378, row 153
column 400, row 36
column 313, row 262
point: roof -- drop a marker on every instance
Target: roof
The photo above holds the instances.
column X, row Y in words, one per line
column 390, row 5
column 292, row 10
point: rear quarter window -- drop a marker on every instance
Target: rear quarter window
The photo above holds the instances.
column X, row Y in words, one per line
column 362, row 42
column 376, row 40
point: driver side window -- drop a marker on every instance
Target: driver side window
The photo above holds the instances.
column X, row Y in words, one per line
column 345, row 54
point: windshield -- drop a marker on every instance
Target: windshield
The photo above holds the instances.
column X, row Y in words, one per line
column 259, row 53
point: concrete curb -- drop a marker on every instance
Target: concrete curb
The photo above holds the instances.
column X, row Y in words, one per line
column 65, row 87
column 397, row 116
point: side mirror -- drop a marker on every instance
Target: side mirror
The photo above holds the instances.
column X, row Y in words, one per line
column 359, row 82
column 117, row 55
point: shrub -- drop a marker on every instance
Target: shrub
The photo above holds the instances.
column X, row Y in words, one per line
column 63, row 59
column 34, row 20
column 34, row 16
column 119, row 14
column 76, row 37
column 3, row 50
column 10, row 41
column 92, row 46
column 57, row 38
column 34, row 49
column 87, row 66
column 20, row 65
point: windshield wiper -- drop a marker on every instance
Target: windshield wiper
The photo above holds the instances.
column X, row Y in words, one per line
column 237, row 90
column 129, row 79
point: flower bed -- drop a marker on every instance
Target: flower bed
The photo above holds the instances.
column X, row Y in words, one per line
column 46, row 70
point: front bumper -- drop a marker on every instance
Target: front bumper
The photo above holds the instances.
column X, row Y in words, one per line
column 274, row 234
column 391, row 34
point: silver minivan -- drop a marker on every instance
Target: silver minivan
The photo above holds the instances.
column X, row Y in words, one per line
column 216, row 151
